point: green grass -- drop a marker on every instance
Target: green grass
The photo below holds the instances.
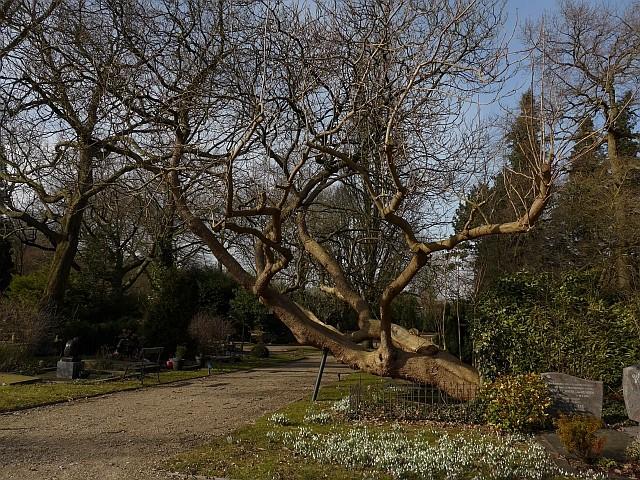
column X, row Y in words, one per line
column 19, row 397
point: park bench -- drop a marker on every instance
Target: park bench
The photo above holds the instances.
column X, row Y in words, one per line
column 148, row 360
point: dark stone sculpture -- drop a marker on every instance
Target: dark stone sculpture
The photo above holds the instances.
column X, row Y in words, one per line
column 72, row 350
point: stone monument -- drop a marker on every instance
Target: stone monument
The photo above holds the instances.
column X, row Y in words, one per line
column 631, row 390
column 574, row 395
column 70, row 365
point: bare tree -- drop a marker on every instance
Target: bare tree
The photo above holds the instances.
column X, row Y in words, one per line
column 264, row 121
column 374, row 94
column 18, row 18
column 57, row 118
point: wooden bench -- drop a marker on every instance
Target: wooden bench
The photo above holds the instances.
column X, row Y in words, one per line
column 148, row 360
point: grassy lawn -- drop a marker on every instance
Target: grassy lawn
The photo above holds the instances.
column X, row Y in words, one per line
column 19, row 397
column 290, row 446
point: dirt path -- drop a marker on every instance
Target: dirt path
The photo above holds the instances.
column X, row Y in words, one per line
column 125, row 435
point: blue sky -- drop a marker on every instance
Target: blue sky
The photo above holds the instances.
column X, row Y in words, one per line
column 524, row 9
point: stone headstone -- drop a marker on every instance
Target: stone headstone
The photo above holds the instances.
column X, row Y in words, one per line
column 68, row 368
column 574, row 395
column 631, row 390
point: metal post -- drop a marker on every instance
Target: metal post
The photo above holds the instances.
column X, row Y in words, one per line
column 325, row 352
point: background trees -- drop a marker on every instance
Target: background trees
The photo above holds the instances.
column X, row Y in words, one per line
column 57, row 114
column 591, row 57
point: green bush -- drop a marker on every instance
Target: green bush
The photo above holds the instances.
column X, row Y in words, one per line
column 12, row 356
column 28, row 288
column 538, row 323
column 249, row 314
column 260, row 351
column 517, row 403
column 578, row 435
column 181, row 352
column 172, row 308
column 632, row 453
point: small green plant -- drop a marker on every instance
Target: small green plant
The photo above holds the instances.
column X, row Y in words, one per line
column 607, row 463
column 181, row 352
column 260, row 351
column 280, row 419
column 578, row 435
column 632, row 453
column 517, row 403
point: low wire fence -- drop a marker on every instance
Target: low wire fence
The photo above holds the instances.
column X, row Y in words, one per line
column 410, row 401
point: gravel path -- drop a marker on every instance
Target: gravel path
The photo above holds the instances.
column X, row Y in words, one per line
column 126, row 435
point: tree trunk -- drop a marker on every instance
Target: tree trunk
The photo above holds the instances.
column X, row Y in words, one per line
column 430, row 365
column 67, row 246
column 61, row 263
column 621, row 264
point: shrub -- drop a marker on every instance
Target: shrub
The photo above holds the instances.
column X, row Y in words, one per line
column 538, row 323
column 172, row 308
column 178, row 297
column 260, row 351
column 517, row 403
column 28, row 289
column 104, row 358
column 181, row 352
column 632, row 453
column 12, row 356
column 578, row 435
column 23, row 323
column 206, row 329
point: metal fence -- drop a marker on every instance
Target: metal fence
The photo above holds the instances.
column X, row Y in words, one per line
column 410, row 401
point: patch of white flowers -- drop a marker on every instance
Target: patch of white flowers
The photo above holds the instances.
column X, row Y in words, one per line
column 341, row 406
column 318, row 418
column 280, row 419
column 417, row 458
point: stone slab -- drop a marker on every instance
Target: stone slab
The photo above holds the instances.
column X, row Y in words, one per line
column 631, row 390
column 12, row 379
column 574, row 395
column 70, row 370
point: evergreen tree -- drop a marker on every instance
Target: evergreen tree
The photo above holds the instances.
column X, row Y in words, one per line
column 578, row 225
column 496, row 256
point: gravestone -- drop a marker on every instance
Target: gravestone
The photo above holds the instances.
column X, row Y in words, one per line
column 67, row 368
column 574, row 395
column 631, row 390
column 70, row 365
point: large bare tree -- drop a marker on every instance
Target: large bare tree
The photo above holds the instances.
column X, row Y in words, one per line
column 265, row 121
column 370, row 95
